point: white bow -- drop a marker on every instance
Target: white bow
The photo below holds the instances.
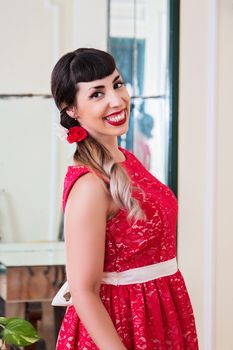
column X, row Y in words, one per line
column 59, row 299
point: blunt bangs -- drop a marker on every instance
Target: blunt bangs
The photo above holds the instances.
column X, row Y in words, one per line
column 89, row 66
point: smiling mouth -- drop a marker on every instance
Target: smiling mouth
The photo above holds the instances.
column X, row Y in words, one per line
column 117, row 119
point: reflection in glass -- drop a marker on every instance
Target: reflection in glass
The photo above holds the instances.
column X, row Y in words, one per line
column 139, row 40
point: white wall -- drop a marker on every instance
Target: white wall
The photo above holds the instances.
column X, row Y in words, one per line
column 90, row 23
column 205, row 166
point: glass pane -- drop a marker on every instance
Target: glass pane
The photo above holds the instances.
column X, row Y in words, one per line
column 29, row 171
column 151, row 135
column 139, row 40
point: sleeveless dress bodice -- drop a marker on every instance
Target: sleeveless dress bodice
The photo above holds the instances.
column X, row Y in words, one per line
column 154, row 315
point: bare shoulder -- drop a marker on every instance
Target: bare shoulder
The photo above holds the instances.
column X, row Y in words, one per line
column 89, row 181
column 90, row 192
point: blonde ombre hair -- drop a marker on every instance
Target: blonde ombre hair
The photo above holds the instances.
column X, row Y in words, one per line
column 83, row 65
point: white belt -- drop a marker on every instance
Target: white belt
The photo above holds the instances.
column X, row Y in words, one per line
column 132, row 276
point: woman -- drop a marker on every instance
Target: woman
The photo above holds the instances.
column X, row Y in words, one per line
column 120, row 223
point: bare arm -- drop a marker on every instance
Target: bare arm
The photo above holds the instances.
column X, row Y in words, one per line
column 85, row 229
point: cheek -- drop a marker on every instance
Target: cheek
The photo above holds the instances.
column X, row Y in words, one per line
column 90, row 111
column 126, row 96
column 99, row 110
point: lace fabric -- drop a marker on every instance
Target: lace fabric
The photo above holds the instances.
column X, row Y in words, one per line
column 154, row 315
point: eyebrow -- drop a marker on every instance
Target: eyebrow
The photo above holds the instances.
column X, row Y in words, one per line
column 102, row 86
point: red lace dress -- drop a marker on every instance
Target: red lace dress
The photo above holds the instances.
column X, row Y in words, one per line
column 153, row 315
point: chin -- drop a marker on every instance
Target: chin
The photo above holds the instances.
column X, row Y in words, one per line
column 123, row 130
column 122, row 133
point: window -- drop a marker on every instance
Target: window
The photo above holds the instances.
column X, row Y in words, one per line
column 143, row 38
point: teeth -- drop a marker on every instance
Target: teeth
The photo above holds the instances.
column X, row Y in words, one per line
column 117, row 118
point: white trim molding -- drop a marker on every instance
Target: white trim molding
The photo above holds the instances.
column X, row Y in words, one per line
column 198, row 160
column 53, row 183
column 211, row 185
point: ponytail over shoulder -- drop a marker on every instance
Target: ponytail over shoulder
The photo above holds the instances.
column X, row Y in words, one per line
column 119, row 186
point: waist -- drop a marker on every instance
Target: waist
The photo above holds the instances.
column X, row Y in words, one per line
column 131, row 276
column 141, row 274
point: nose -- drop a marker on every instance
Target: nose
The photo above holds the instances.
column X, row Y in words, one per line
column 114, row 99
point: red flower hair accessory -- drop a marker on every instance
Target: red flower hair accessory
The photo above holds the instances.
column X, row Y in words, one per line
column 76, row 134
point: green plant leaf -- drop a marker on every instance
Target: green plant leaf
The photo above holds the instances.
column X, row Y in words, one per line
column 19, row 332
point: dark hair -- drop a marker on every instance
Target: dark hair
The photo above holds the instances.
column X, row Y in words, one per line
column 84, row 65
column 81, row 65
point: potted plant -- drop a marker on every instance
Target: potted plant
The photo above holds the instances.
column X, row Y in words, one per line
column 15, row 331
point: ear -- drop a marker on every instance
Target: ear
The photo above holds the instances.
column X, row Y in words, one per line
column 72, row 112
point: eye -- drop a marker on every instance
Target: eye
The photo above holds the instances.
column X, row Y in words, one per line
column 118, row 84
column 96, row 94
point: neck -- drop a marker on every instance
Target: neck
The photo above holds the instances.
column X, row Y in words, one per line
column 112, row 146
